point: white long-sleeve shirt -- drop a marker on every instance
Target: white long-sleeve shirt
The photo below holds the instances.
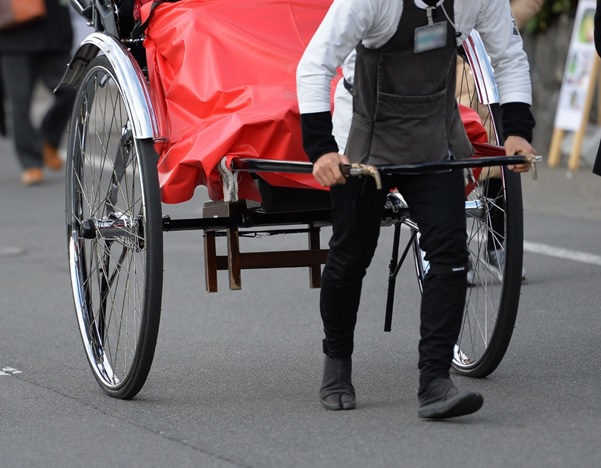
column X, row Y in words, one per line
column 374, row 22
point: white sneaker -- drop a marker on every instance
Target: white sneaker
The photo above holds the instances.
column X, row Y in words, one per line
column 471, row 280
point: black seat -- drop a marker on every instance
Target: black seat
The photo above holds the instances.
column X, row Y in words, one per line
column 286, row 199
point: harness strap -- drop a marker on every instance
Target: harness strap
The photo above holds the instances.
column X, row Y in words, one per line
column 140, row 27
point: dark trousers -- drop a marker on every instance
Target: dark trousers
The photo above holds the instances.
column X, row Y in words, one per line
column 436, row 204
column 20, row 73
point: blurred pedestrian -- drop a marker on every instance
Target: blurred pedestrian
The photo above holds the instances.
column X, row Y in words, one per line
column 37, row 51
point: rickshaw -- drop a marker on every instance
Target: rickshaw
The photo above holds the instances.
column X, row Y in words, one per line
column 132, row 145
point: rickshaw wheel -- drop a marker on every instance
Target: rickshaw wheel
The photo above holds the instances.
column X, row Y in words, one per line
column 114, row 233
column 495, row 243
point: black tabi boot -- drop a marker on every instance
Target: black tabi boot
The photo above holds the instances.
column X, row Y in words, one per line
column 337, row 391
column 440, row 399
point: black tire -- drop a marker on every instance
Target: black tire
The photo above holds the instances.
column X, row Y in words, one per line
column 492, row 300
column 114, row 233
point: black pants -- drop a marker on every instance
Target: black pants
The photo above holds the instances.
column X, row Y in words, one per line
column 436, row 204
column 20, row 73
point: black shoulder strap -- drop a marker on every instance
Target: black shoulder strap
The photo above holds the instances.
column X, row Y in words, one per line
column 139, row 27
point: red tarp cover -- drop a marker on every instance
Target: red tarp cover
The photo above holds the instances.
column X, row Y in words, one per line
column 223, row 83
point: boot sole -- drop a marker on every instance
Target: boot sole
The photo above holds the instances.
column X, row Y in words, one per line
column 460, row 405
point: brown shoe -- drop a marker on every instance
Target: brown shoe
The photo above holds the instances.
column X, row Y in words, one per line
column 51, row 158
column 32, row 176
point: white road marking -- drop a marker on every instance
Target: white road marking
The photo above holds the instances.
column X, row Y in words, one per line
column 558, row 252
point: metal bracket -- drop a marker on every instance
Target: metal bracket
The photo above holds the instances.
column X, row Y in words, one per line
column 229, row 180
column 359, row 170
column 532, row 159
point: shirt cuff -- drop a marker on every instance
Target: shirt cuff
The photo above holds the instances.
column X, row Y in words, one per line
column 518, row 120
column 317, row 134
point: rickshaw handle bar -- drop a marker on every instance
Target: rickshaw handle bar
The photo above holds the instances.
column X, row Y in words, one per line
column 298, row 167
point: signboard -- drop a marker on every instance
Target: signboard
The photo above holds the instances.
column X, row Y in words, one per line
column 576, row 82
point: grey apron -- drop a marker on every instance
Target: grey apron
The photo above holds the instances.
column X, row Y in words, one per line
column 404, row 106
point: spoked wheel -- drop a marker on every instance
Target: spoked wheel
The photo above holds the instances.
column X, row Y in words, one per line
column 114, row 230
column 495, row 242
column 495, row 231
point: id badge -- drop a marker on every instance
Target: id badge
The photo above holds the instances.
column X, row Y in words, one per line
column 431, row 36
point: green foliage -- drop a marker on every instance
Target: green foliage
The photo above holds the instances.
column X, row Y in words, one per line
column 549, row 12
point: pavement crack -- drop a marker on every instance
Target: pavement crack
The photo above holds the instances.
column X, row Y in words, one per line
column 159, row 433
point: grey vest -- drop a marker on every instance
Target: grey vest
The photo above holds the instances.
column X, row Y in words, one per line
column 404, row 106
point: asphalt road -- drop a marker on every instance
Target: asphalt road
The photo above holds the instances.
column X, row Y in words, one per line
column 235, row 378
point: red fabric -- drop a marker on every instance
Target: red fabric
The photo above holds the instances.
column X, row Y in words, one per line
column 473, row 125
column 137, row 7
column 479, row 139
column 223, row 83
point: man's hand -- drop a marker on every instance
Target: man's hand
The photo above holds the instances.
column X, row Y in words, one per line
column 515, row 145
column 326, row 169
